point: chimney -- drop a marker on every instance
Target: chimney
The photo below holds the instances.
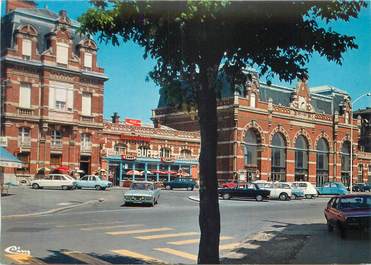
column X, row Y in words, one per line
column 115, row 118
column 14, row 4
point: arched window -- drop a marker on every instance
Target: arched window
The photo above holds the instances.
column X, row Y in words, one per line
column 56, row 138
column 165, row 152
column 345, row 163
column 144, row 151
column 120, row 148
column 185, row 153
column 322, row 167
column 253, row 100
column 278, row 159
column 252, row 155
column 301, row 159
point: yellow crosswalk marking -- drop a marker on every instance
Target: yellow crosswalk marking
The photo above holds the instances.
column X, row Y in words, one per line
column 193, row 241
column 178, row 253
column 24, row 259
column 85, row 258
column 108, row 227
column 129, row 232
column 166, row 236
column 136, row 255
column 228, row 246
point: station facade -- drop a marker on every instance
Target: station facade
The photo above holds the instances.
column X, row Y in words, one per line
column 276, row 133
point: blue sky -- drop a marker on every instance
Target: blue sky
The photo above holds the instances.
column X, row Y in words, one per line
column 128, row 93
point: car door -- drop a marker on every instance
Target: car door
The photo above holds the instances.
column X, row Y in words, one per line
column 83, row 182
column 92, row 182
column 334, row 212
column 334, row 189
column 65, row 181
column 328, row 211
column 325, row 189
column 55, row 182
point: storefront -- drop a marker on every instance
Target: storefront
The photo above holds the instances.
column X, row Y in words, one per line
column 121, row 168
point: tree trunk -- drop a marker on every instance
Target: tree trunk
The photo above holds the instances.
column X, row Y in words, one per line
column 209, row 216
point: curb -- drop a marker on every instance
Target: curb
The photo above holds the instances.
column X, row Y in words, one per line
column 194, row 198
column 55, row 210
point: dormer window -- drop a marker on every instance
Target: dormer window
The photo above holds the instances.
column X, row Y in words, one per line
column 26, row 49
column 62, row 53
column 88, row 60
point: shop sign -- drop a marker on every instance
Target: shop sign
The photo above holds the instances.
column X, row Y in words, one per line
column 128, row 157
column 133, row 122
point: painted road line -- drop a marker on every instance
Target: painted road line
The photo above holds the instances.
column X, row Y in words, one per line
column 194, row 241
column 136, row 255
column 166, row 235
column 129, row 232
column 24, row 259
column 228, row 246
column 108, row 227
column 178, row 253
column 86, row 224
column 85, row 258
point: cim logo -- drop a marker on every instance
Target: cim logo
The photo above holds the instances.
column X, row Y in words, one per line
column 13, row 250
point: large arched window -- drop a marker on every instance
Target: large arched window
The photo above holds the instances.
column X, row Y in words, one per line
column 251, row 154
column 165, row 152
column 278, row 159
column 345, row 163
column 322, row 168
column 301, row 159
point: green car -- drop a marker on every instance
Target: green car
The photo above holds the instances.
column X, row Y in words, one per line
column 181, row 183
column 142, row 192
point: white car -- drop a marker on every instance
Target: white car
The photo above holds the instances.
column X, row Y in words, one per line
column 310, row 191
column 279, row 190
column 58, row 181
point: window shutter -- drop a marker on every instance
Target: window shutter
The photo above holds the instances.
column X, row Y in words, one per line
column 25, row 96
column 86, row 104
column 70, row 99
column 88, row 60
column 62, row 53
column 26, row 47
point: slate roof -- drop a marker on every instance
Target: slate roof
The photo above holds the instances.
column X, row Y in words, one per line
column 44, row 20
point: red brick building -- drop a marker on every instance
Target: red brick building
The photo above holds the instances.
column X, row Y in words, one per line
column 272, row 132
column 52, row 90
column 143, row 152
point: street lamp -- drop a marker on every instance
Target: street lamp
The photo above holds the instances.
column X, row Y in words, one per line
column 351, row 139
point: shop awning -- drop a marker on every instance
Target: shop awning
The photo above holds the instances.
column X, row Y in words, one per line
column 9, row 160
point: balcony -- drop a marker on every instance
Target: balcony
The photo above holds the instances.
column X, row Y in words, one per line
column 89, row 119
column 25, row 142
column 25, row 111
column 86, row 148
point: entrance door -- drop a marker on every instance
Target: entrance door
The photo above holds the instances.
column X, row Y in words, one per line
column 85, row 164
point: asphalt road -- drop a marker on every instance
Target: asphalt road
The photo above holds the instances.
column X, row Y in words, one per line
column 107, row 231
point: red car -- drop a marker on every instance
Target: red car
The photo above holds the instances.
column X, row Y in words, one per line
column 229, row 185
column 347, row 212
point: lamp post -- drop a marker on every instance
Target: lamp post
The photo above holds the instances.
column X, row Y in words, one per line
column 351, row 139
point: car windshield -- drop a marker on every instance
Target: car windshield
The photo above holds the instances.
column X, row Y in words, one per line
column 360, row 202
column 141, row 186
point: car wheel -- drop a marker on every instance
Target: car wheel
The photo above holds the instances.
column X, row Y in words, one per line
column 98, row 187
column 226, row 196
column 64, row 188
column 308, row 196
column 35, row 186
column 330, row 228
column 168, row 187
column 283, row 197
column 259, row 198
column 104, row 188
column 294, row 197
column 189, row 188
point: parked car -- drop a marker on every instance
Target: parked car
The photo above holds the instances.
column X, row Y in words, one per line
column 279, row 190
column 185, row 183
column 361, row 187
column 345, row 212
column 61, row 181
column 297, row 193
column 92, row 182
column 244, row 191
column 310, row 191
column 332, row 188
column 142, row 192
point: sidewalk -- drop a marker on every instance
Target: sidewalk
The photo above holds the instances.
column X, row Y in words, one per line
column 309, row 243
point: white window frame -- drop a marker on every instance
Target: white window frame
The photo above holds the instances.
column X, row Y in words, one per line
column 56, row 137
column 86, row 99
column 61, row 56
column 24, row 135
column 88, row 60
column 25, row 95
column 65, row 104
column 26, row 49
